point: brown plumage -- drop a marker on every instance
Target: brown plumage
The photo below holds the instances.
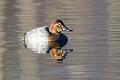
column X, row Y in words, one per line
column 55, row 30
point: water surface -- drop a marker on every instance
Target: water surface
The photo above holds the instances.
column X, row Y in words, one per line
column 95, row 39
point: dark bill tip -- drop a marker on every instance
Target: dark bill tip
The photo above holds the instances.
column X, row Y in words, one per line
column 68, row 30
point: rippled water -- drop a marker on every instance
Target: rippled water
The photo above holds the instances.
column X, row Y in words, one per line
column 95, row 39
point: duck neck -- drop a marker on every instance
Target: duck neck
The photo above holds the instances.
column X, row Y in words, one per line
column 53, row 36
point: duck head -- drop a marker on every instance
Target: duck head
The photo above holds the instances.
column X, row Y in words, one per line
column 57, row 26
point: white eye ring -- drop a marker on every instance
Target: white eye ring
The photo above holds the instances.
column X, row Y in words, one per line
column 60, row 24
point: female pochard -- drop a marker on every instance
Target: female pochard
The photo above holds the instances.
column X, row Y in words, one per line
column 41, row 39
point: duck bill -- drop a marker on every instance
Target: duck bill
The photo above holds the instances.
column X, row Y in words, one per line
column 65, row 28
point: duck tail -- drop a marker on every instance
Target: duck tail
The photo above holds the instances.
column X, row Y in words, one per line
column 23, row 38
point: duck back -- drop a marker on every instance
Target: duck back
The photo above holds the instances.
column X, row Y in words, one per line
column 37, row 40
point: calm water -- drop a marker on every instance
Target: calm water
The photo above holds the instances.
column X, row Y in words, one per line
column 95, row 39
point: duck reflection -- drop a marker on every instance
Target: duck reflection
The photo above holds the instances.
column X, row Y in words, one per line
column 54, row 48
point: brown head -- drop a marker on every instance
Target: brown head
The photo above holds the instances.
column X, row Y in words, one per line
column 57, row 26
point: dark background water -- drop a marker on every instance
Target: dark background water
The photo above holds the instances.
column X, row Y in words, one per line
column 95, row 39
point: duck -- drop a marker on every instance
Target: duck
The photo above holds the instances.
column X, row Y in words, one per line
column 39, row 39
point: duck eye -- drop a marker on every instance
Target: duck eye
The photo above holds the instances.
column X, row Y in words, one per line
column 59, row 24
